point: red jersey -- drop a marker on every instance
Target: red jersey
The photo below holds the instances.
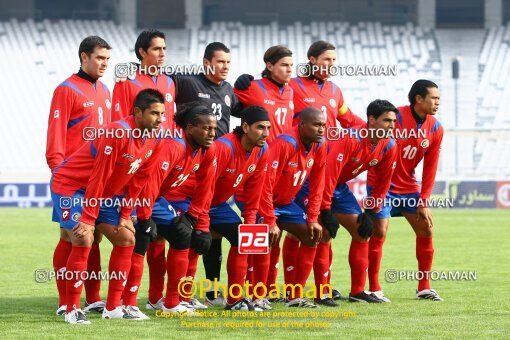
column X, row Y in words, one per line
column 76, row 104
column 276, row 100
column 176, row 164
column 423, row 142
column 106, row 167
column 124, row 94
column 290, row 164
column 236, row 169
column 325, row 96
column 350, row 156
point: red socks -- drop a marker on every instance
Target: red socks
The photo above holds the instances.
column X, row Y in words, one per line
column 120, row 263
column 425, row 255
column 290, row 249
column 358, row 260
column 274, row 261
column 93, row 286
column 60, row 256
column 76, row 263
column 176, row 268
column 157, row 269
column 305, row 257
column 237, row 264
column 134, row 280
column 321, row 269
column 375, row 247
column 260, row 271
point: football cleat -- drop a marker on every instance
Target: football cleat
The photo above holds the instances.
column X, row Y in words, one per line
column 118, row 313
column 241, row 305
column 195, row 304
column 300, row 303
column 338, row 296
column 327, row 301
column 380, row 295
column 182, row 308
column 428, row 294
column 76, row 317
column 262, row 304
column 61, row 310
column 97, row 307
column 219, row 301
column 136, row 312
column 364, row 298
column 155, row 306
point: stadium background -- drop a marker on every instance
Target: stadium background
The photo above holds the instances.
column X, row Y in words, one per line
column 39, row 41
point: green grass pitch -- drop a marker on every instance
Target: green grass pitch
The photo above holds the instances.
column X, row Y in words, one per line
column 465, row 240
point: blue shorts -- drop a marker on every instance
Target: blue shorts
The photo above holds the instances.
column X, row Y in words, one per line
column 67, row 210
column 164, row 212
column 396, row 204
column 224, row 213
column 344, row 202
column 290, row 213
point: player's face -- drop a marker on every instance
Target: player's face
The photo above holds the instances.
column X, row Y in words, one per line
column 281, row 72
column 312, row 129
column 383, row 125
column 324, row 61
column 257, row 133
column 220, row 64
column 203, row 133
column 155, row 54
column 430, row 104
column 151, row 117
column 95, row 65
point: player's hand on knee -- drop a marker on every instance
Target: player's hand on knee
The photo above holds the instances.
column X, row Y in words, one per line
column 366, row 223
column 330, row 222
column 201, row 241
column 184, row 225
column 274, row 234
column 425, row 214
column 243, row 81
column 125, row 223
column 82, row 229
column 315, row 231
column 149, row 228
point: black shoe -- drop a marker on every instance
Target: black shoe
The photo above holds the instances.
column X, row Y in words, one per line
column 338, row 296
column 365, row 298
column 276, row 299
column 242, row 305
column 327, row 302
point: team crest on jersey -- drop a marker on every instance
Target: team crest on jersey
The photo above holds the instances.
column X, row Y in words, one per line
column 148, row 154
column 76, row 217
column 275, row 164
column 169, row 97
column 195, row 167
column 309, row 163
column 425, row 143
column 56, row 114
column 251, row 168
column 227, row 100
column 340, row 157
column 165, row 166
column 108, row 150
column 293, row 164
column 291, row 105
column 87, row 104
column 332, row 103
column 373, row 162
column 108, row 104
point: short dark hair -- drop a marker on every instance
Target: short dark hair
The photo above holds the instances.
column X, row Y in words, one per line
column 145, row 98
column 420, row 88
column 213, row 47
column 273, row 55
column 88, row 45
column 316, row 49
column 378, row 107
column 188, row 113
column 144, row 40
